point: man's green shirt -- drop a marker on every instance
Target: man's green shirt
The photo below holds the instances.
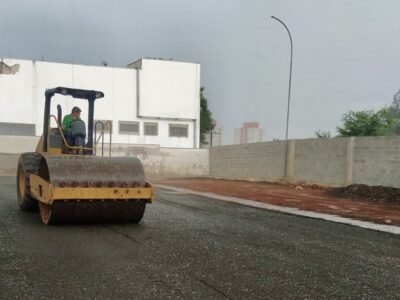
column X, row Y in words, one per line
column 68, row 119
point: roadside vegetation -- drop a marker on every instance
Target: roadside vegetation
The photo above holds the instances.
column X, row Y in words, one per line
column 383, row 122
column 207, row 123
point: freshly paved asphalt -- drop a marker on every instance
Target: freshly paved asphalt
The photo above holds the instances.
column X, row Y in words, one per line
column 193, row 247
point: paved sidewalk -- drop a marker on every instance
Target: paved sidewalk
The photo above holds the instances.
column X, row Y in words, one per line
column 301, row 197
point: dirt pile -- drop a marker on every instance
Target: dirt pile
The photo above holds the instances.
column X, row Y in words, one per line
column 378, row 194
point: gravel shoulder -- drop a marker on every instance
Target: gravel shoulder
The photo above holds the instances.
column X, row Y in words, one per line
column 308, row 198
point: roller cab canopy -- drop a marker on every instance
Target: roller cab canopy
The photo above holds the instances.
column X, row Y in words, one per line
column 75, row 93
column 89, row 95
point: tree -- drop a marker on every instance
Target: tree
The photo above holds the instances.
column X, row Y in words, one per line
column 394, row 112
column 385, row 121
column 367, row 123
column 396, row 101
column 323, row 134
column 207, row 123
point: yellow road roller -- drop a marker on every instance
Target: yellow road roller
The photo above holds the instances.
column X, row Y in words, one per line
column 69, row 183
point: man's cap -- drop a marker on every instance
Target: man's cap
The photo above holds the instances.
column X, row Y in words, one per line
column 76, row 109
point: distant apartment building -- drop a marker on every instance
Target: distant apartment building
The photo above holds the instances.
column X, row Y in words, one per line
column 250, row 132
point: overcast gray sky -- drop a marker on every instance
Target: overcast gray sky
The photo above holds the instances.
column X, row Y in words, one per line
column 346, row 53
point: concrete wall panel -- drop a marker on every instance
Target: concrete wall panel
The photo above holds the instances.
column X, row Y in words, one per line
column 377, row 161
column 258, row 161
column 320, row 161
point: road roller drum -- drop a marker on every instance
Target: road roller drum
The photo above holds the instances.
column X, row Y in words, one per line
column 87, row 189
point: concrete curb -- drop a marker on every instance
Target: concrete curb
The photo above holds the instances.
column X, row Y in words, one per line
column 290, row 210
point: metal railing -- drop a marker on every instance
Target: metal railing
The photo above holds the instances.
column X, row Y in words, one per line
column 101, row 136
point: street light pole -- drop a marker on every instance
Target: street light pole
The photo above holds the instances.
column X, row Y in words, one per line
column 290, row 86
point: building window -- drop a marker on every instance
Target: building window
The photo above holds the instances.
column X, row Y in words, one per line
column 107, row 125
column 178, row 130
column 126, row 127
column 150, row 128
column 17, row 129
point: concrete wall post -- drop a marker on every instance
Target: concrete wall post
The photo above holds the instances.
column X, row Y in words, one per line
column 349, row 161
column 291, row 161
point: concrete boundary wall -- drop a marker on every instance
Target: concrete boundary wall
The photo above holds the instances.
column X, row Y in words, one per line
column 166, row 162
column 18, row 144
column 8, row 164
column 157, row 161
column 330, row 162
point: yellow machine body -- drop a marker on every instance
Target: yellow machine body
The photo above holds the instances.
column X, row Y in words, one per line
column 46, row 193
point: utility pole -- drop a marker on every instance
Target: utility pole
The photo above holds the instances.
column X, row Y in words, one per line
column 290, row 86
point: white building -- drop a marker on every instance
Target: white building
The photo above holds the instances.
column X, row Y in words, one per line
column 150, row 102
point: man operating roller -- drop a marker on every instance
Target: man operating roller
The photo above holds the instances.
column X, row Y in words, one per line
column 74, row 128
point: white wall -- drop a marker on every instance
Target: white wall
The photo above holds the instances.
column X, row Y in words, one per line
column 169, row 89
column 157, row 161
column 18, row 144
column 168, row 77
column 17, row 94
column 166, row 162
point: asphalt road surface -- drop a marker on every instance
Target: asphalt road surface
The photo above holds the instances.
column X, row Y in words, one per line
column 193, row 247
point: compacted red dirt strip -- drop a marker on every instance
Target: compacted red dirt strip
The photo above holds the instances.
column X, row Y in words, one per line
column 302, row 197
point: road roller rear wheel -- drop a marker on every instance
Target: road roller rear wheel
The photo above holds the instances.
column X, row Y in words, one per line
column 28, row 163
